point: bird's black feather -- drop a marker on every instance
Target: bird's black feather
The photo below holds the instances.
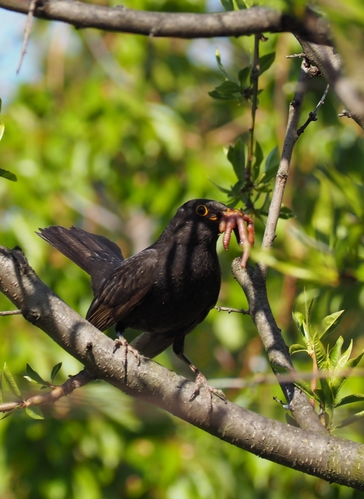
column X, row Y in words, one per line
column 165, row 290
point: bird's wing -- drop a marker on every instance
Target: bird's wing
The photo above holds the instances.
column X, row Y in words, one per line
column 123, row 290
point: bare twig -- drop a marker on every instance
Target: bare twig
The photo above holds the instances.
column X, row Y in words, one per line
column 28, row 26
column 76, row 381
column 235, row 310
column 254, row 78
column 301, row 55
column 345, row 114
column 313, row 115
column 288, row 145
column 10, row 312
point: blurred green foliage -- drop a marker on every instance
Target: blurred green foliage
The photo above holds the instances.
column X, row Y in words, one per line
column 115, row 134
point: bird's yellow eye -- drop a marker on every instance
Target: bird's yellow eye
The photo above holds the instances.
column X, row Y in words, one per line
column 202, row 210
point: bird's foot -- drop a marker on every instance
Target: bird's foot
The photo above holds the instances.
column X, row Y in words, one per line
column 122, row 342
column 202, row 381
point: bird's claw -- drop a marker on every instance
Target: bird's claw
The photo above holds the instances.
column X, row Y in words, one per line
column 202, row 381
column 120, row 341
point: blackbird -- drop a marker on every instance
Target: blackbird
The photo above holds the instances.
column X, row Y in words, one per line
column 166, row 289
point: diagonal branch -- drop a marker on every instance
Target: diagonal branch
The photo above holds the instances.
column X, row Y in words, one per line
column 253, row 283
column 318, row 454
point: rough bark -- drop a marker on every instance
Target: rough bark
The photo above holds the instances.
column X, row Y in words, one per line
column 318, row 454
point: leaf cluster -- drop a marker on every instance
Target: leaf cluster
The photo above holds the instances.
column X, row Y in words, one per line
column 331, row 366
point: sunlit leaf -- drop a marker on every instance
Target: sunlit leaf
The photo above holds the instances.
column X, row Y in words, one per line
column 33, row 375
column 296, row 347
column 34, row 412
column 329, row 323
column 8, row 175
column 350, row 399
column 218, row 55
column 266, row 61
column 335, row 352
column 55, row 370
column 11, row 381
column 351, row 419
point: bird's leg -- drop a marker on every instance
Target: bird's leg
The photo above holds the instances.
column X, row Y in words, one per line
column 200, row 380
column 120, row 341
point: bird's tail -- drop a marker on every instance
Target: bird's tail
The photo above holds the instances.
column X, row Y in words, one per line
column 96, row 255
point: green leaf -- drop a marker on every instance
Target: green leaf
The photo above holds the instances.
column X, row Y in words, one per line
column 259, row 156
column 337, row 381
column 266, row 61
column 243, row 75
column 33, row 375
column 329, row 323
column 350, row 399
column 272, row 162
column 219, row 63
column 320, row 353
column 11, row 382
column 299, row 320
column 55, row 370
column 351, row 419
column 296, row 347
column 1, row 377
column 8, row 175
column 227, row 4
column 335, row 352
column 228, row 90
column 222, row 189
column 285, row 213
column 34, row 412
column 236, row 156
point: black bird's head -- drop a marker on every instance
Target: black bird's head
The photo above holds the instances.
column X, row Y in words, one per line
column 203, row 220
column 200, row 218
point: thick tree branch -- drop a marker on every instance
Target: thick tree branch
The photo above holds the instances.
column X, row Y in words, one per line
column 178, row 25
column 311, row 31
column 318, row 454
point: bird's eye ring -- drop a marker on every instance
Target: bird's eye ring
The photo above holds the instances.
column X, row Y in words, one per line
column 202, row 210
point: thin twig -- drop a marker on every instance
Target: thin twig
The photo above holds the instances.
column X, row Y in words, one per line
column 345, row 114
column 313, row 115
column 77, row 381
column 229, row 310
column 301, row 55
column 288, row 145
column 10, row 312
column 27, row 29
column 254, row 82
